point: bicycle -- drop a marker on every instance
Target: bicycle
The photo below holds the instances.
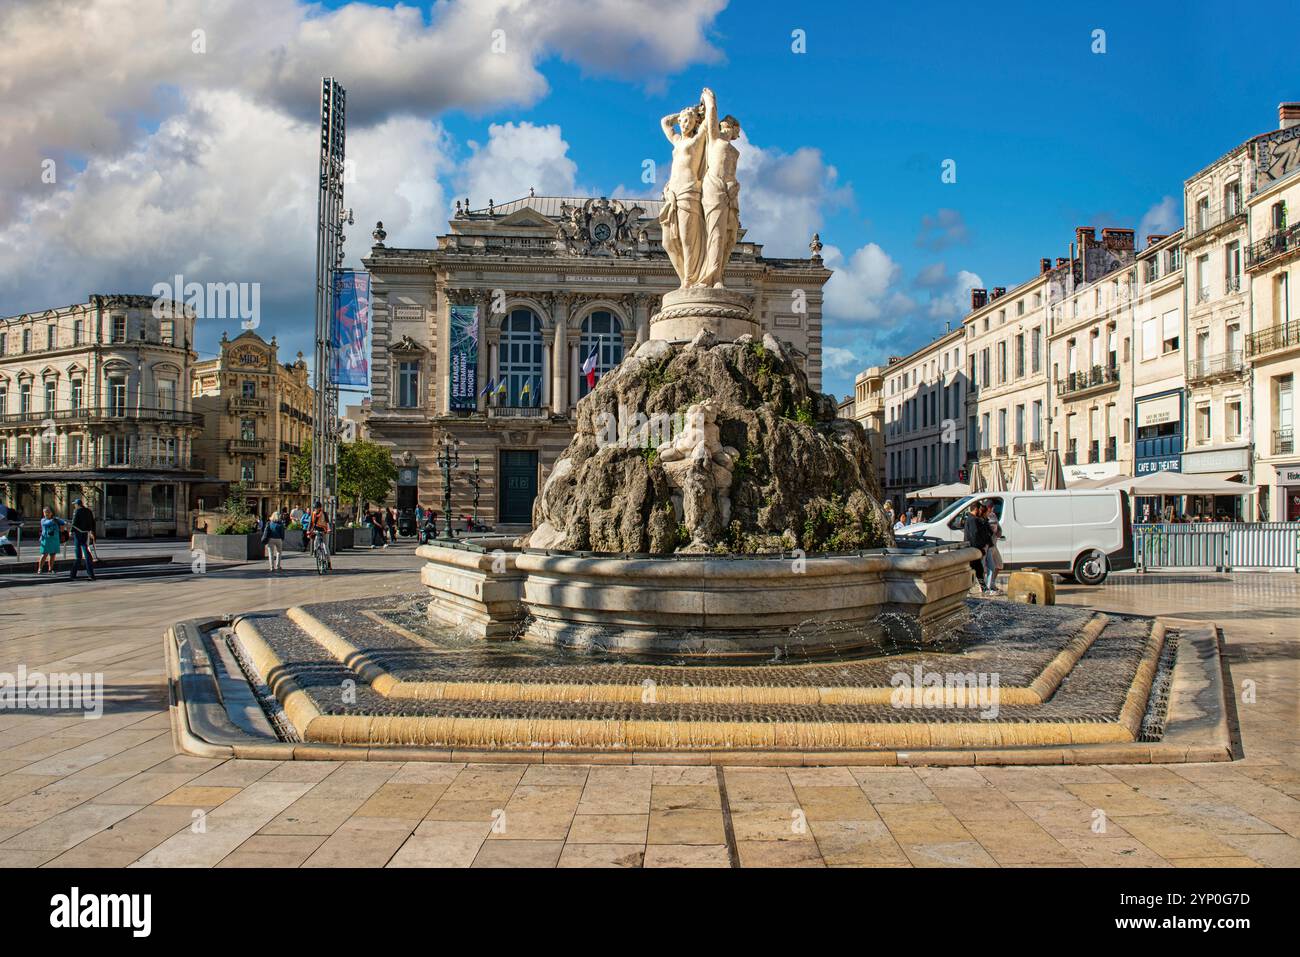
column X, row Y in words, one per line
column 320, row 550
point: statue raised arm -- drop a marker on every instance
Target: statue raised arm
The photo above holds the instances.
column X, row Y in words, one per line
column 720, row 198
column 682, row 216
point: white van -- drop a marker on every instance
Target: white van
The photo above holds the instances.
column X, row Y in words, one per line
column 1084, row 534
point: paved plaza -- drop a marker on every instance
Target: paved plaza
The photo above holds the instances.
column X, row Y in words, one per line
column 113, row 792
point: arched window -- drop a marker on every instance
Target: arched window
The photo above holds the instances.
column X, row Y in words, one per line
column 603, row 332
column 519, row 362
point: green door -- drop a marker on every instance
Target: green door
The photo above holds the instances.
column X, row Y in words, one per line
column 518, row 486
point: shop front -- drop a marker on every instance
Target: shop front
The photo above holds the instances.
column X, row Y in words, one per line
column 1231, row 463
column 1157, row 447
column 1286, row 493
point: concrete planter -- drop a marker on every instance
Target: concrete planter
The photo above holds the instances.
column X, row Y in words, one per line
column 293, row 539
column 231, row 548
column 713, row 607
column 344, row 538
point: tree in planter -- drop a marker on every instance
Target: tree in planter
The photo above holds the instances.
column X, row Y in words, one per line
column 236, row 518
column 366, row 471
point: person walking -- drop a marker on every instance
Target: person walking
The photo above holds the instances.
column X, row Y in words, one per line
column 49, row 541
column 83, row 538
column 992, row 557
column 976, row 535
column 390, row 522
column 273, row 542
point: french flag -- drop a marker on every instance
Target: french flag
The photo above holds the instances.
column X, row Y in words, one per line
column 589, row 366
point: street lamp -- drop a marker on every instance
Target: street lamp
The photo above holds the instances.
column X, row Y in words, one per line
column 474, row 483
column 448, row 459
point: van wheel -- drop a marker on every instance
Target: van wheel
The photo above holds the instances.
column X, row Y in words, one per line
column 1090, row 568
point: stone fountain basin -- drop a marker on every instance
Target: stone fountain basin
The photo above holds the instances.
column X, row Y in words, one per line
column 730, row 607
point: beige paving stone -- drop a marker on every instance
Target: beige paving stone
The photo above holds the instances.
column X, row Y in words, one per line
column 666, row 774
column 519, row 854
column 140, row 832
column 146, row 788
column 1271, row 850
column 237, row 773
column 892, row 785
column 555, row 775
column 668, row 796
column 198, row 796
column 404, row 801
column 1012, row 844
column 922, row 824
column 1026, row 784
column 1218, row 862
column 491, row 783
column 1072, row 818
column 952, row 777
column 686, row 855
column 835, row 803
column 26, row 858
column 362, row 842
column 1116, row 799
column 783, row 821
column 761, row 786
column 442, row 844
column 826, row 777
column 1172, row 839
column 303, row 772
column 225, row 827
column 779, row 854
column 685, row 826
column 978, row 804
column 536, row 814
column 69, row 828
column 602, row 855
column 17, row 785
column 949, row 854
column 273, row 850
column 617, row 790
column 858, row 843
column 609, row 829
column 1113, row 852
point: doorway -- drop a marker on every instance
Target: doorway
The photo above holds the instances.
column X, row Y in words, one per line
column 517, row 485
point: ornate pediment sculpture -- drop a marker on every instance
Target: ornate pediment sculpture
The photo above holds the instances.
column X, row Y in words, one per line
column 599, row 227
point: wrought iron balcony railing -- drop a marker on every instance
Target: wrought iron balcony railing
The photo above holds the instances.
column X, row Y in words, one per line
column 1207, row 218
column 516, row 412
column 89, row 414
column 72, row 461
column 1283, row 442
column 1223, row 365
column 244, row 403
column 246, row 446
column 1098, row 377
column 1284, row 336
column 1282, row 241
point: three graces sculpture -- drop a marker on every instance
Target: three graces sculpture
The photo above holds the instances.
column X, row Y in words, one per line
column 701, row 210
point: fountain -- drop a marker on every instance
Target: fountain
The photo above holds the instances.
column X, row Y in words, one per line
column 709, row 577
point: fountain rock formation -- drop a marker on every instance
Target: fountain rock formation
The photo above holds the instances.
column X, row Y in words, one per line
column 710, row 447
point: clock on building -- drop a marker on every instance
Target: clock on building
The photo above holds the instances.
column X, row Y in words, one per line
column 601, row 232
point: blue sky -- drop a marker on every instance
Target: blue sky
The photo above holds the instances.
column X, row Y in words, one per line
column 202, row 165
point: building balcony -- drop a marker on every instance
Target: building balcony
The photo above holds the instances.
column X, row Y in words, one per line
column 902, row 481
column 1231, row 284
column 985, row 454
column 1213, row 218
column 1283, row 442
column 87, row 415
column 1035, row 447
column 1110, row 453
column 1225, row 365
column 1259, row 254
column 288, row 448
column 1285, row 336
column 517, row 412
column 97, row 461
column 246, row 446
column 1071, row 458
column 1096, row 379
column 243, row 403
column 1000, row 452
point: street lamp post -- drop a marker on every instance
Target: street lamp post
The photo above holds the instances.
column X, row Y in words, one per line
column 474, row 482
column 448, row 459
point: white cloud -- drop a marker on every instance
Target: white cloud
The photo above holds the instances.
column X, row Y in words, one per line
column 784, row 196
column 863, row 287
column 515, row 158
column 1161, row 219
column 838, row 361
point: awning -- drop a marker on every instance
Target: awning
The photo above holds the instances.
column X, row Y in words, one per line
column 1179, row 483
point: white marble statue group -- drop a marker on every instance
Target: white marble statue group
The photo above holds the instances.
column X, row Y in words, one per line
column 701, row 210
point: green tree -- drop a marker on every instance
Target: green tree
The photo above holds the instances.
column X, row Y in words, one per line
column 236, row 518
column 366, row 471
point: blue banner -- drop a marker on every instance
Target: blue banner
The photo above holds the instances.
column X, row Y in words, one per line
column 350, row 328
column 463, row 359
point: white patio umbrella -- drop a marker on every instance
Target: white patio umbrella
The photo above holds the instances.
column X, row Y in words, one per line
column 977, row 483
column 1054, row 480
column 951, row 490
column 996, row 481
column 1179, row 483
column 1021, row 480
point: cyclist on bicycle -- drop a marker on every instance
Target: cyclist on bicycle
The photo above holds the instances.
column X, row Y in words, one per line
column 318, row 524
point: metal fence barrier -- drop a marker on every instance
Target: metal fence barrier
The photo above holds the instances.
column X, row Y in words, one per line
column 1222, row 546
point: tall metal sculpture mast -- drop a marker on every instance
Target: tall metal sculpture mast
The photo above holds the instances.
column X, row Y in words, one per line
column 331, row 216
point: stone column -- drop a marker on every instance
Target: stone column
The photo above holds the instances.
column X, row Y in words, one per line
column 559, row 355
column 547, row 363
column 641, row 316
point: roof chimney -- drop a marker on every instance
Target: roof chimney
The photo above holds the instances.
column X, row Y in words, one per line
column 978, row 298
column 1061, row 261
column 1117, row 239
column 998, row 292
column 1084, row 236
column 1155, row 238
column 1288, row 115
column 1044, row 265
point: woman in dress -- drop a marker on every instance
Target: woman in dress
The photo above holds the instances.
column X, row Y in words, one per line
column 50, row 543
